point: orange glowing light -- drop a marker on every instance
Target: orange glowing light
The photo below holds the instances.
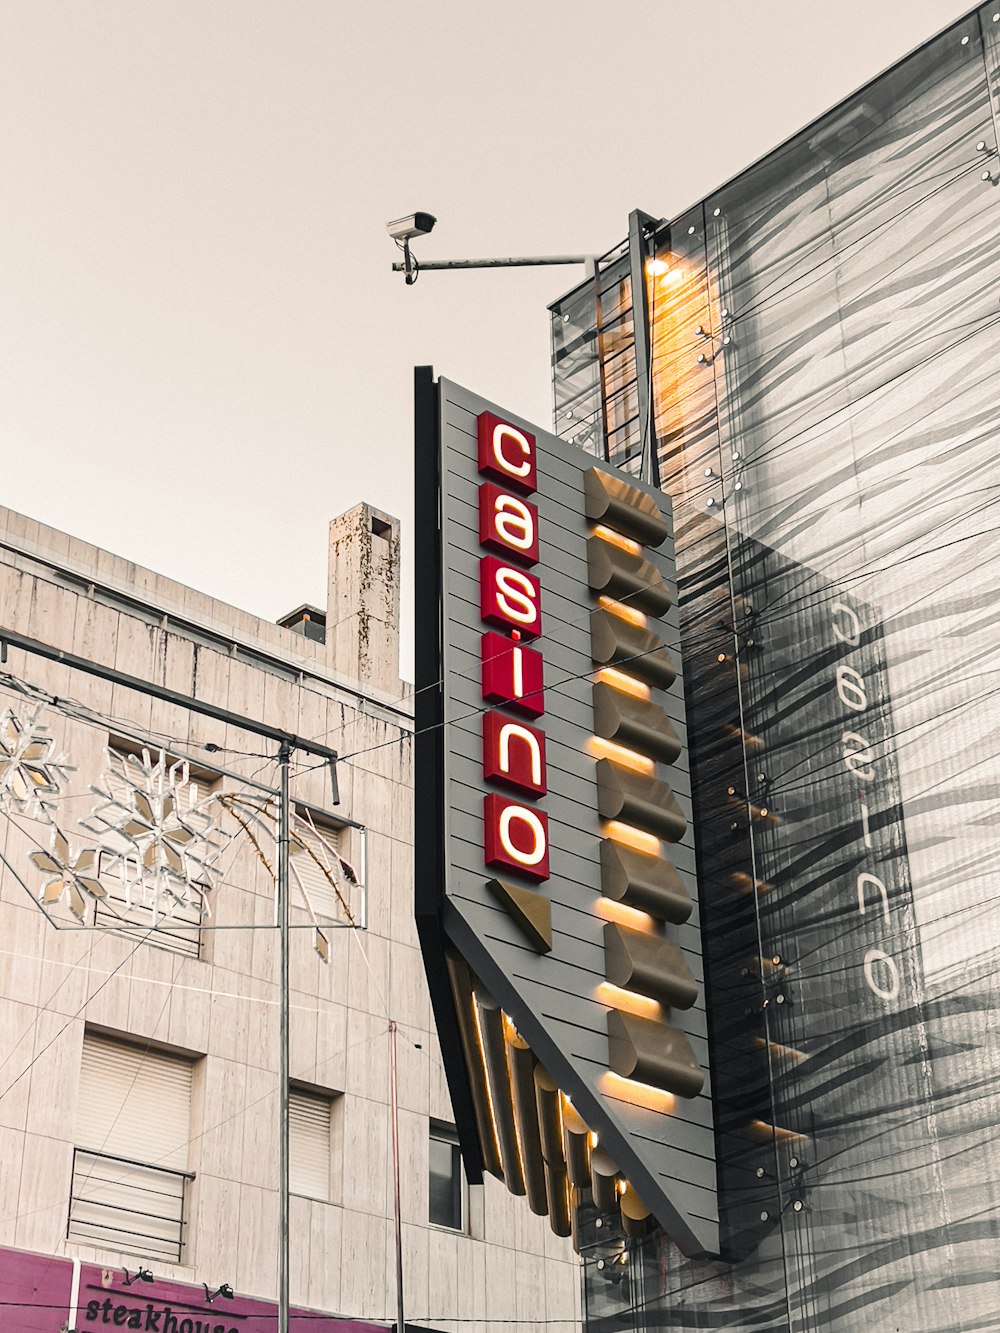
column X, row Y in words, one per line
column 657, row 268
column 624, row 612
column 760, row 1129
column 618, row 680
column 628, row 1001
column 598, row 748
column 617, row 539
column 638, row 839
column 639, row 1094
column 623, row 915
column 776, row 1049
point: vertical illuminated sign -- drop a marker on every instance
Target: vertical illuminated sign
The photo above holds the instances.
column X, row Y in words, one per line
column 556, row 893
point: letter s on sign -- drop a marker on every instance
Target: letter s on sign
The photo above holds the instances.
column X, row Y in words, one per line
column 510, row 598
column 856, row 751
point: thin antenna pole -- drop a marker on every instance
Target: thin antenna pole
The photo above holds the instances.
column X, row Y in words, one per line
column 284, row 754
column 400, row 1318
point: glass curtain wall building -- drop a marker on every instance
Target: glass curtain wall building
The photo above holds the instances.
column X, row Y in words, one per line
column 822, row 409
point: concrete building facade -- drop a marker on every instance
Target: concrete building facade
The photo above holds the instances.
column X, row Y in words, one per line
column 139, row 969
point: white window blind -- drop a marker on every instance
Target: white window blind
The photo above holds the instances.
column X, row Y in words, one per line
column 134, row 1103
column 309, row 1144
column 314, row 865
column 133, row 1108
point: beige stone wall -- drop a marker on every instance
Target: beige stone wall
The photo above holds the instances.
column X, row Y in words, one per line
column 222, row 1006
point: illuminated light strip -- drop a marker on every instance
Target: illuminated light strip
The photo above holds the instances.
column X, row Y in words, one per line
column 624, row 612
column 640, row 1005
column 784, row 1052
column 747, row 884
column 510, row 1032
column 617, row 539
column 639, row 1094
column 636, row 838
column 623, row 915
column 598, row 748
column 486, row 1079
column 760, row 1129
column 618, row 680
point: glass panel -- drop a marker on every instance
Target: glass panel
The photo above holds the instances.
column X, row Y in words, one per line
column 445, row 1184
column 821, row 334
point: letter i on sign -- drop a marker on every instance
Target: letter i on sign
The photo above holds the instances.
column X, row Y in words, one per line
column 512, row 675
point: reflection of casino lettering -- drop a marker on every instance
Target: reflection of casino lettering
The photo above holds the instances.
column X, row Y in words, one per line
column 859, row 759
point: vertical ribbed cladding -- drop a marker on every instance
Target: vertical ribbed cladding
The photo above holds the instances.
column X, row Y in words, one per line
column 576, row 1145
column 501, row 1093
column 522, row 1077
column 548, row 1105
column 462, row 990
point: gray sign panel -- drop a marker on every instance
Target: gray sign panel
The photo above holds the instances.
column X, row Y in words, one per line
column 559, row 1000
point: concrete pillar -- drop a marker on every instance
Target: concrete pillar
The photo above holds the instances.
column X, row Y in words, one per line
column 362, row 619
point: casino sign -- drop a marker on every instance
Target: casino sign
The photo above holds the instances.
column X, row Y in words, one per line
column 556, row 896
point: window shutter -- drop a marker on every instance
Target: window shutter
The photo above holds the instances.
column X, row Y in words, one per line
column 309, row 1144
column 308, row 862
column 134, row 1103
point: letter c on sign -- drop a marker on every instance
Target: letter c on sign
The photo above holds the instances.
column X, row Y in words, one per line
column 506, row 452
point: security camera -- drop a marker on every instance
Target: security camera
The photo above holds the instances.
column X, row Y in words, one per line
column 417, row 224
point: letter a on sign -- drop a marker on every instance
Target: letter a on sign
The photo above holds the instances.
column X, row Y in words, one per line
column 516, row 837
column 507, row 523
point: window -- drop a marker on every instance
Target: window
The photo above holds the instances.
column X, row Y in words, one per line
column 311, row 1117
column 132, row 1131
column 320, row 882
column 446, row 1193
column 175, row 788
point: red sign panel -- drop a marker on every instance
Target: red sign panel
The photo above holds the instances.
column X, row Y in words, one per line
column 512, row 675
column 506, row 453
column 516, row 837
column 513, row 753
column 509, row 597
column 507, row 523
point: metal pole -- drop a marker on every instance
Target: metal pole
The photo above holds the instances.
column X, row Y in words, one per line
column 284, row 754
column 400, row 1318
column 528, row 261
column 639, row 224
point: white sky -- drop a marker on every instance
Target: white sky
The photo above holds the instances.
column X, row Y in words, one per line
column 204, row 355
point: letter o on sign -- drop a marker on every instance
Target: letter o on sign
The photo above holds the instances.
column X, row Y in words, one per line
column 890, row 974
column 516, row 837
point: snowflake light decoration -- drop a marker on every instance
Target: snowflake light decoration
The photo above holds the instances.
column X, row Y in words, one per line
column 71, row 879
column 160, row 836
column 29, row 771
